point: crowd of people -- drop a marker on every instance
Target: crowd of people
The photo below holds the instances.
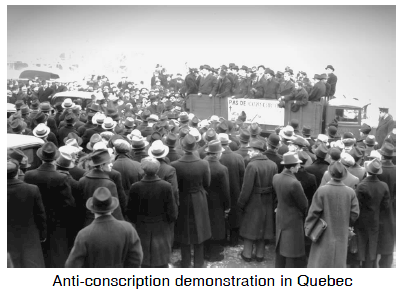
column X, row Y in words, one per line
column 125, row 177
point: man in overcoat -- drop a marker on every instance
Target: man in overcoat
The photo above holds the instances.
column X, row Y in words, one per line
column 236, row 167
column 244, row 137
column 290, row 213
column 106, row 242
column 193, row 225
column 385, row 126
column 208, row 82
column 26, row 221
column 318, row 90
column 319, row 166
column 58, row 202
column 271, row 153
column 256, row 200
column 223, row 86
column 338, row 206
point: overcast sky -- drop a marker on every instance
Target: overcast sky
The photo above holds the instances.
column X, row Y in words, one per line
column 359, row 41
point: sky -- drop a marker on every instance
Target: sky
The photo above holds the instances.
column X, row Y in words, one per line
column 359, row 41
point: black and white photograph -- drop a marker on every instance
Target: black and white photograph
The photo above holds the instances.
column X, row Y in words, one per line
column 201, row 136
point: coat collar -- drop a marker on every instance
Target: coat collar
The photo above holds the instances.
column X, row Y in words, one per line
column 14, row 181
column 288, row 173
column 387, row 163
column 371, row 178
column 188, row 158
column 47, row 167
column 337, row 183
column 97, row 173
column 258, row 157
column 147, row 178
column 104, row 218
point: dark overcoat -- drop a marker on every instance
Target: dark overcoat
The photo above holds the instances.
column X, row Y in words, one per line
column 207, row 84
column 317, row 92
column 274, row 157
column 236, row 167
column 383, row 128
column 285, row 88
column 222, row 88
column 191, row 86
column 26, row 224
column 193, row 225
column 90, row 132
column 173, row 154
column 167, row 172
column 92, row 180
column 152, row 208
column 387, row 220
column 235, row 142
column 106, row 243
column 373, row 196
column 257, row 199
column 138, row 155
column 116, row 177
column 59, row 206
column 318, row 168
column 271, row 89
column 358, row 171
column 308, row 182
column 243, row 151
column 290, row 213
column 64, row 131
column 130, row 170
column 218, row 195
column 77, row 173
column 338, row 206
column 332, row 80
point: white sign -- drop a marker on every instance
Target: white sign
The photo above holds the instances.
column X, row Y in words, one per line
column 262, row 111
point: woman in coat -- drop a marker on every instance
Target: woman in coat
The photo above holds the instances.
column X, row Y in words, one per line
column 373, row 196
column 152, row 208
column 257, row 201
column 218, row 196
column 338, row 206
column 193, row 225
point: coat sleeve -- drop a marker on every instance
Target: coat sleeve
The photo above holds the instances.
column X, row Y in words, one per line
column 315, row 211
column 224, row 184
column 248, row 186
column 313, row 93
column 386, row 201
column 133, row 204
column 226, row 90
column 299, row 196
column 66, row 191
column 39, row 213
column 304, row 99
column 123, row 199
column 354, row 210
column 78, row 254
column 171, row 207
column 206, row 175
column 134, row 256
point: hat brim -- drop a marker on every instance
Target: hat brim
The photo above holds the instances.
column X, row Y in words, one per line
column 39, row 154
column 109, row 128
column 65, row 107
column 140, row 148
column 112, row 207
column 41, row 136
column 207, row 150
column 78, row 139
column 283, row 135
column 297, row 162
column 69, row 167
column 166, row 149
column 366, row 165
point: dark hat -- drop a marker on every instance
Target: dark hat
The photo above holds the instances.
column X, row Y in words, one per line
column 48, row 152
column 102, row 201
column 58, row 107
column 269, row 71
column 214, row 146
column 333, row 123
column 300, row 141
column 171, row 139
column 64, row 161
column 370, row 140
column 232, row 64
column 94, row 107
column 93, row 140
column 100, row 157
column 19, row 156
column 290, row 71
column 335, row 153
column 18, row 104
column 365, row 128
column 155, row 136
column 45, row 107
column 306, row 131
column 243, row 116
column 290, row 158
column 385, row 110
column 222, row 127
column 224, row 138
column 35, row 105
column 129, row 123
column 18, row 125
column 332, row 131
column 244, row 68
column 294, row 123
column 337, row 171
column 273, row 140
column 183, row 131
column 374, row 166
column 348, row 135
column 112, row 113
column 139, row 143
column 303, row 156
column 330, row 67
column 73, row 135
column 356, row 153
column 317, row 76
column 188, row 143
column 321, row 151
column 12, row 168
column 194, row 121
column 70, row 119
column 172, row 115
column 244, row 136
column 257, row 144
column 40, row 118
column 184, row 118
column 254, row 129
column 261, row 66
column 323, row 76
column 209, row 135
column 387, row 149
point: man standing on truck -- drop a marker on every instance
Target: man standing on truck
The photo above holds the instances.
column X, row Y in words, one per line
column 318, row 90
column 332, row 80
column 386, row 125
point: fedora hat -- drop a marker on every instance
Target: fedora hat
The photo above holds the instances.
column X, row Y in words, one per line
column 98, row 119
column 73, row 135
column 287, row 132
column 122, row 146
column 134, row 133
column 195, row 133
column 41, row 130
column 222, row 127
column 70, row 149
column 257, row 144
column 102, row 201
column 365, row 128
column 18, row 125
column 387, row 149
column 303, row 156
column 224, row 138
column 67, row 103
column 12, row 168
column 317, row 77
column 153, row 117
column 64, row 161
column 99, row 157
column 158, row 149
column 170, row 139
column 93, row 140
column 274, row 140
column 300, row 141
column 374, row 166
column 70, row 119
column 337, row 171
column 73, row 142
column 348, row 139
column 183, row 117
column 323, row 76
column 335, row 153
column 112, row 113
column 45, row 107
column 356, row 153
column 330, row 67
column 19, row 156
column 129, row 123
column 154, row 136
column 347, row 160
column 58, row 107
column 24, row 110
column 370, row 140
column 48, row 152
column 244, row 136
column 321, row 151
column 94, row 108
column 290, row 158
column 306, row 131
column 194, row 122
column 34, row 105
column 214, row 146
column 145, row 114
column 139, row 143
column 374, row 154
column 108, row 123
column 188, row 143
column 323, row 138
column 40, row 118
column 332, row 131
column 18, row 104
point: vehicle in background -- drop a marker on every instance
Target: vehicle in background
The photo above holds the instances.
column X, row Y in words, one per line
column 29, row 146
column 86, row 97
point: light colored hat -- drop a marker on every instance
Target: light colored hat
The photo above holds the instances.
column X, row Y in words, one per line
column 290, row 158
column 135, row 133
column 287, row 132
column 375, row 155
column 158, row 149
column 67, row 103
column 69, row 149
column 153, row 117
column 98, row 118
column 214, row 118
column 224, row 138
column 73, row 142
column 195, row 133
column 347, row 159
column 41, row 130
column 108, row 123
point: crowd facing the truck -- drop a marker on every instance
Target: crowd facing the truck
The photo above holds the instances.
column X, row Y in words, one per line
column 125, row 177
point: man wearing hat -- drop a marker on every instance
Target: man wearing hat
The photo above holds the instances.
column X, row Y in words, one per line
column 223, row 87
column 286, row 134
column 98, row 120
column 318, row 90
column 193, row 176
column 26, row 231
column 44, row 92
column 256, row 201
column 363, row 132
column 63, row 132
column 374, row 197
column 88, row 125
column 190, row 85
column 244, row 138
column 171, row 141
column 53, row 185
column 218, row 196
column 273, row 144
column 286, row 87
column 319, row 166
column 332, row 80
column 139, row 144
column 58, row 112
column 385, row 126
column 208, row 82
column 291, row 209
column 18, row 126
column 42, row 131
column 207, row 136
column 22, row 161
column 387, row 228
column 236, row 167
column 338, row 206
column 240, row 90
column 106, row 242
column 46, row 109
column 346, row 160
column 357, row 169
column 298, row 96
column 270, row 85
